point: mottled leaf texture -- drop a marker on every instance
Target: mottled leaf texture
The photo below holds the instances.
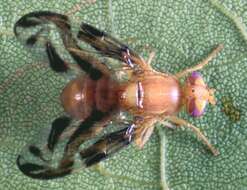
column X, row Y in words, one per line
column 181, row 33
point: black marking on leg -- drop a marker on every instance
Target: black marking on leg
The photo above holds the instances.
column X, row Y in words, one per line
column 56, row 62
column 58, row 127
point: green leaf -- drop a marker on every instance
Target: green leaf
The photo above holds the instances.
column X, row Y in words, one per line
column 181, row 33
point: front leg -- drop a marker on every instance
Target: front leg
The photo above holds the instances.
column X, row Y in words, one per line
column 202, row 64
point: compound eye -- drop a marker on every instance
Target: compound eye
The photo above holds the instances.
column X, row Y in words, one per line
column 196, row 107
column 195, row 79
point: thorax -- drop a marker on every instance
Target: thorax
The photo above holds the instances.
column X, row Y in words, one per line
column 152, row 94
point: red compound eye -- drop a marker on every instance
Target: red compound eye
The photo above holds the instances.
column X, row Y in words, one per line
column 195, row 79
column 196, row 107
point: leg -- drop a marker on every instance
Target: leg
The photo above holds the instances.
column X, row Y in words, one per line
column 151, row 57
column 130, row 72
column 199, row 134
column 78, row 6
column 202, row 63
column 144, row 130
column 145, row 48
column 167, row 124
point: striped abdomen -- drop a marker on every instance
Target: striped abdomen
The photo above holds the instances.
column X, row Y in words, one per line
column 83, row 95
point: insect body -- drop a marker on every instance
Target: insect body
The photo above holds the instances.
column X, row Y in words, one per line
column 153, row 94
column 83, row 94
column 92, row 100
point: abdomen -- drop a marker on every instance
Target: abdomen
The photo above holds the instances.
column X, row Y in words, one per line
column 83, row 95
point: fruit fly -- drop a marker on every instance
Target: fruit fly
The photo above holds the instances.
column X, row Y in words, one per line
column 93, row 100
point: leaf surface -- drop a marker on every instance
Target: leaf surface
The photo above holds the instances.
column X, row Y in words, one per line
column 181, row 33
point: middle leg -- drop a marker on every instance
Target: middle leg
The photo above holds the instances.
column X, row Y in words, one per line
column 199, row 134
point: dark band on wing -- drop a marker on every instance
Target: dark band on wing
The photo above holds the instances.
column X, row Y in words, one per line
column 86, row 130
column 106, row 146
column 44, row 171
column 62, row 22
column 86, row 65
column 57, row 64
column 32, row 40
column 102, row 149
column 106, row 44
column 37, row 171
column 58, row 127
column 87, row 124
column 40, row 17
column 91, row 31
column 36, row 152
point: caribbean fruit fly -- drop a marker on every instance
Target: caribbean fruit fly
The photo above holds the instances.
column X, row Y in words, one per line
column 93, row 100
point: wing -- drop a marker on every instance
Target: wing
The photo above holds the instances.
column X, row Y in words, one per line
column 107, row 146
column 35, row 27
column 47, row 162
column 108, row 46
